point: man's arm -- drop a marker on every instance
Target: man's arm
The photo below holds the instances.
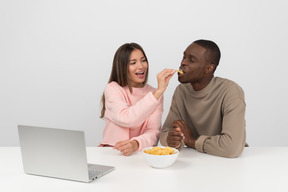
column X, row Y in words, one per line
column 169, row 136
column 230, row 143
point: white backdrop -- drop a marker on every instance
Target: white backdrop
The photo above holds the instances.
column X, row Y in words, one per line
column 56, row 57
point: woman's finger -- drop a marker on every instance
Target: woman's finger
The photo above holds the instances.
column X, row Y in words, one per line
column 120, row 144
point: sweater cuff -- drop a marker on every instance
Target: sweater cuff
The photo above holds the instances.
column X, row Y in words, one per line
column 153, row 99
column 181, row 146
column 199, row 144
column 140, row 147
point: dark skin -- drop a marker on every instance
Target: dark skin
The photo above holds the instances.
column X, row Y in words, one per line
column 198, row 71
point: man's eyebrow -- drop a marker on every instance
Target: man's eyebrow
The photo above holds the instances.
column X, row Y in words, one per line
column 191, row 56
column 184, row 53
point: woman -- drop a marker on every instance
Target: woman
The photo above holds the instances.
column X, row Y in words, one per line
column 132, row 109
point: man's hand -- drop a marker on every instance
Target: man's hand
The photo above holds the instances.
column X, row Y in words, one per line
column 127, row 147
column 174, row 138
column 189, row 140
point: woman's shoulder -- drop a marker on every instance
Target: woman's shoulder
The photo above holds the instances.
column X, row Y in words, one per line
column 114, row 87
column 113, row 84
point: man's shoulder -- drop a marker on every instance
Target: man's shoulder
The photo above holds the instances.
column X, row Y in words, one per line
column 227, row 84
column 223, row 80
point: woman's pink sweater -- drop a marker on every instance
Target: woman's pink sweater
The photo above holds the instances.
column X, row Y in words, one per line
column 132, row 116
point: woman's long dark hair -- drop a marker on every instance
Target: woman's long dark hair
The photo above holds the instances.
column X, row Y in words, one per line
column 119, row 72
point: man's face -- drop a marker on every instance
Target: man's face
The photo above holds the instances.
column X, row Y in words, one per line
column 193, row 64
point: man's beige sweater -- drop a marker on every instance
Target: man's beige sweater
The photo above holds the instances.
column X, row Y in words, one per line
column 215, row 115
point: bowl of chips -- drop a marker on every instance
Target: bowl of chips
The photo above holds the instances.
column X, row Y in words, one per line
column 160, row 157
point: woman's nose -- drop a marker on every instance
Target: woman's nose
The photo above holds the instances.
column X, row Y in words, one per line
column 140, row 64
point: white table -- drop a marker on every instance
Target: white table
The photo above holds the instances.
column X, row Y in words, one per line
column 257, row 169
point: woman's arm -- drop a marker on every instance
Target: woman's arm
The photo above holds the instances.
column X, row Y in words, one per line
column 121, row 113
column 150, row 133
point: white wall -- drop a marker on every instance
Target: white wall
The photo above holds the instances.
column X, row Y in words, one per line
column 56, row 57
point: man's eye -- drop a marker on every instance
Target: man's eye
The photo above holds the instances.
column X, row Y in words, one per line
column 191, row 60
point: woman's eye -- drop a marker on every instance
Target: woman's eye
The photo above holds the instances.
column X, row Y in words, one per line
column 144, row 60
column 133, row 63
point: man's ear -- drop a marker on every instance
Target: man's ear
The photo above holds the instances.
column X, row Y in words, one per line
column 210, row 68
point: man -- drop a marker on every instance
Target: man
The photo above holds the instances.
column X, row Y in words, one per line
column 207, row 113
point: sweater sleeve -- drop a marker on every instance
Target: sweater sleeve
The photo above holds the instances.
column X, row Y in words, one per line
column 150, row 134
column 121, row 113
column 171, row 117
column 231, row 141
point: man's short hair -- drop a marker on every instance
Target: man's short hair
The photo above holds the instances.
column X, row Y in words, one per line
column 213, row 51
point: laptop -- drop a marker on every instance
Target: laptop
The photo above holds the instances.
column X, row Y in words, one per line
column 57, row 153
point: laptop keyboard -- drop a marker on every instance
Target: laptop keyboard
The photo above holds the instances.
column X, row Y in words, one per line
column 93, row 173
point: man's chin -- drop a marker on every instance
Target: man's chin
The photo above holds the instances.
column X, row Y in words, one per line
column 181, row 80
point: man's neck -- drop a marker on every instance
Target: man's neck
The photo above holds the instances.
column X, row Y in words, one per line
column 198, row 86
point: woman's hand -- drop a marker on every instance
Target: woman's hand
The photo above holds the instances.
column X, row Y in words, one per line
column 127, row 147
column 163, row 79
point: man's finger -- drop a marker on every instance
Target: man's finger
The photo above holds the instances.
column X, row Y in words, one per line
column 175, row 133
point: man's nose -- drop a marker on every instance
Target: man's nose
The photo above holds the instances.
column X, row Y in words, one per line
column 183, row 62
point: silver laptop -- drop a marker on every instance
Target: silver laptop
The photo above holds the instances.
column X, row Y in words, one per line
column 57, row 153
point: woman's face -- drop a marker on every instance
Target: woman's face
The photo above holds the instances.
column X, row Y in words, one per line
column 137, row 68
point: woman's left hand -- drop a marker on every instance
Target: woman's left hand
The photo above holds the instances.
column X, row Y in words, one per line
column 126, row 147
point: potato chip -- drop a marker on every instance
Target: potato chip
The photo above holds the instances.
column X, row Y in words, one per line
column 160, row 151
column 180, row 71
